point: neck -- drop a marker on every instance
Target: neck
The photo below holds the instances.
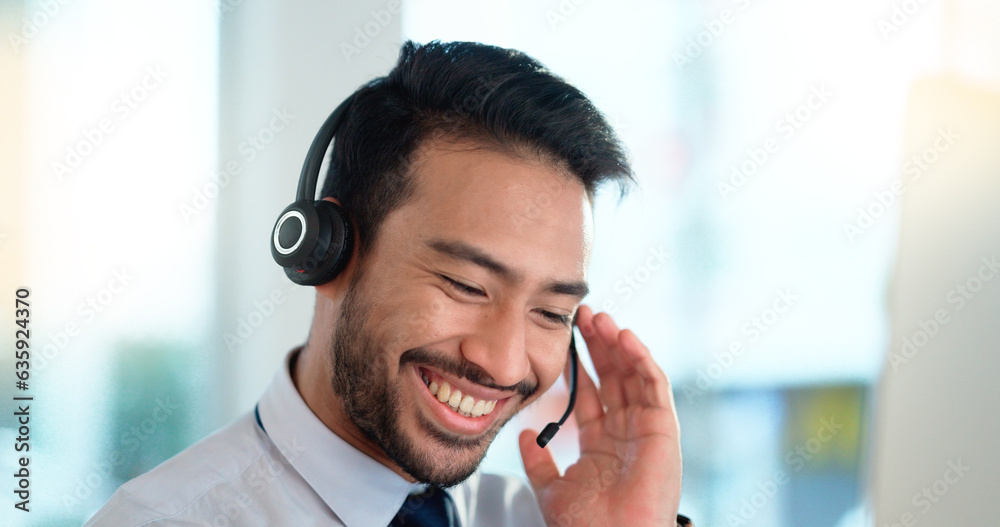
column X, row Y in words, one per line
column 311, row 374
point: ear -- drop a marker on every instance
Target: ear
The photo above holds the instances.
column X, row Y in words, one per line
column 337, row 288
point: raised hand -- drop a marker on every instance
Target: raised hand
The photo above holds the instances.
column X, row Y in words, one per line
column 629, row 471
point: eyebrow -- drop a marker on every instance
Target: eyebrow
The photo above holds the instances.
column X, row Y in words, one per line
column 463, row 251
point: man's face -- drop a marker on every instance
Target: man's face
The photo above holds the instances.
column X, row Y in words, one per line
column 470, row 288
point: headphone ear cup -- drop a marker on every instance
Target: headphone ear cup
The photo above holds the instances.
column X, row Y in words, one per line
column 312, row 241
column 334, row 245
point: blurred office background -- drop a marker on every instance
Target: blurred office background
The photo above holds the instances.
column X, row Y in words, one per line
column 801, row 166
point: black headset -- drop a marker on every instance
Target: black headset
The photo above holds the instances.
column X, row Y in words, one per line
column 550, row 429
column 313, row 240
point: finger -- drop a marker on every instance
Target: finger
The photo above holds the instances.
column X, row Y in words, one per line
column 588, row 400
column 634, row 383
column 585, row 321
column 655, row 387
column 608, row 374
column 538, row 463
column 609, row 333
column 634, row 389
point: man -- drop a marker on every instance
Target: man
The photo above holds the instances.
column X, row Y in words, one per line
column 468, row 176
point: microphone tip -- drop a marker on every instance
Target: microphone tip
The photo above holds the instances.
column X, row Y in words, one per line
column 547, row 434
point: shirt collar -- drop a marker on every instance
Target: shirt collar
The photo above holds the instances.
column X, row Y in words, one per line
column 360, row 490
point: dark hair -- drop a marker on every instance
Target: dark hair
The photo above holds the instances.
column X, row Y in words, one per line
column 466, row 90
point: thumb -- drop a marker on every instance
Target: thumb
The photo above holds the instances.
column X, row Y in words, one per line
column 538, row 463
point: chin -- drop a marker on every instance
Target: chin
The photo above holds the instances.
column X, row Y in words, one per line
column 438, row 457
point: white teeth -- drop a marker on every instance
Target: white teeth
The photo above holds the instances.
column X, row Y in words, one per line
column 455, row 399
column 444, row 392
column 462, row 404
column 467, row 403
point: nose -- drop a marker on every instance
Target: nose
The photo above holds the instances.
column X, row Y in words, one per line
column 499, row 347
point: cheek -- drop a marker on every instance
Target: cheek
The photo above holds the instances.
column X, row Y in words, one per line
column 550, row 366
column 420, row 318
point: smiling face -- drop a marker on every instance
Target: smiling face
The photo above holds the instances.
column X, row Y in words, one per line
column 460, row 314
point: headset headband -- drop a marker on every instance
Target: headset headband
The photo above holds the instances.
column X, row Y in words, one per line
column 320, row 144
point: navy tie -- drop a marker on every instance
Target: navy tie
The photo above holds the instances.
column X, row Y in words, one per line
column 431, row 508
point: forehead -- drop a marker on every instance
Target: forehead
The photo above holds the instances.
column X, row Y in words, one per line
column 526, row 211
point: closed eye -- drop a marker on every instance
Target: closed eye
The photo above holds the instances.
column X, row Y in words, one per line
column 554, row 317
column 462, row 288
column 562, row 320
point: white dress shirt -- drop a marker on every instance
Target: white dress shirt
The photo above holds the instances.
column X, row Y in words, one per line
column 294, row 472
